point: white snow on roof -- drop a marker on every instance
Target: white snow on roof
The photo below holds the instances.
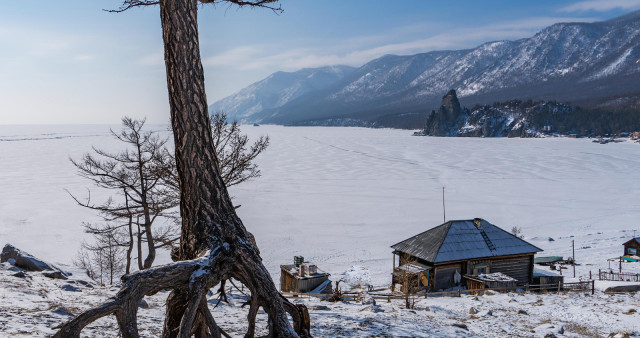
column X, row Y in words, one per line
column 495, row 277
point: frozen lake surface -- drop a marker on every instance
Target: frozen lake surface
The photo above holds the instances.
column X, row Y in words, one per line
column 342, row 196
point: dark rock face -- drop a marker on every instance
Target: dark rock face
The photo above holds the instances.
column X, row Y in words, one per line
column 19, row 274
column 450, row 104
column 143, row 304
column 57, row 274
column 445, row 121
column 25, row 261
column 70, row 288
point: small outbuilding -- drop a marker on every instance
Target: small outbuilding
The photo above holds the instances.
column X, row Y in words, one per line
column 547, row 280
column 444, row 256
column 632, row 247
column 489, row 281
column 303, row 277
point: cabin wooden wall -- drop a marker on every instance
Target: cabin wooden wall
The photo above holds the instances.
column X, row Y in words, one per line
column 633, row 245
column 289, row 283
column 518, row 268
column 443, row 277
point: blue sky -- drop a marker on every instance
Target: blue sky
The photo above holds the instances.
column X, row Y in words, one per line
column 67, row 61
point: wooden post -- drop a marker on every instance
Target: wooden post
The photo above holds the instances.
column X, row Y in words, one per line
column 559, row 287
column 573, row 248
column 393, row 280
column 593, row 287
column 590, row 275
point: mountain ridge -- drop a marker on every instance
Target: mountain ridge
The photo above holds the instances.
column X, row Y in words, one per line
column 571, row 62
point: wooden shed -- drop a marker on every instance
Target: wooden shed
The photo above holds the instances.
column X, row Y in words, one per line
column 547, row 280
column 304, row 278
column 632, row 247
column 412, row 276
column 464, row 248
column 489, row 281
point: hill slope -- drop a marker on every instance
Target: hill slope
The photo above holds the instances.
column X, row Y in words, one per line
column 577, row 62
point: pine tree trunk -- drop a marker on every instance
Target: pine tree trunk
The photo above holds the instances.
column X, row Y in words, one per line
column 214, row 244
column 209, row 220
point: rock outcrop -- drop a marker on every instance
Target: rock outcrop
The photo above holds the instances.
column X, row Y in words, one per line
column 514, row 118
column 25, row 261
column 446, row 120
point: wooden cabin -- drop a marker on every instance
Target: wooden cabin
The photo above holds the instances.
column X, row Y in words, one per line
column 632, row 247
column 303, row 277
column 441, row 257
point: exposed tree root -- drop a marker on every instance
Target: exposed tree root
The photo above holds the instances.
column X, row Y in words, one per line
column 190, row 281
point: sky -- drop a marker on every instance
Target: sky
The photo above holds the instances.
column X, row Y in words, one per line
column 71, row 62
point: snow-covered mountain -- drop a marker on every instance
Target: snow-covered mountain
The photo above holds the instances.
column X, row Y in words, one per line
column 277, row 90
column 577, row 62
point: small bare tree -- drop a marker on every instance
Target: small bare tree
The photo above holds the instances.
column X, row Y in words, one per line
column 517, row 231
column 102, row 259
column 138, row 175
column 236, row 158
column 144, row 175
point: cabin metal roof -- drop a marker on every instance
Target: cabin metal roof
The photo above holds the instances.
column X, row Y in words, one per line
column 295, row 272
column 636, row 239
column 463, row 239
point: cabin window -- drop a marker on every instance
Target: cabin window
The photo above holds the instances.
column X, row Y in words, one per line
column 479, row 269
column 424, row 278
column 632, row 251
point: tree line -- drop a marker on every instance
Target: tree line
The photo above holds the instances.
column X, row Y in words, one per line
column 567, row 118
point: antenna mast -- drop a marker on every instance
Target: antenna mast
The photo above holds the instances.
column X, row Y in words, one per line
column 444, row 210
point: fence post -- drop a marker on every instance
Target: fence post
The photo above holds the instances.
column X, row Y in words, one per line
column 593, row 287
column 558, row 287
column 590, row 275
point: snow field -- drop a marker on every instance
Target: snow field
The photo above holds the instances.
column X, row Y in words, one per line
column 342, row 196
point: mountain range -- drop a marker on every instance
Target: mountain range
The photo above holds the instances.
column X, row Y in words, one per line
column 591, row 64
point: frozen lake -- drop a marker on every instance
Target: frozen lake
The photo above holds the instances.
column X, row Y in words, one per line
column 342, row 196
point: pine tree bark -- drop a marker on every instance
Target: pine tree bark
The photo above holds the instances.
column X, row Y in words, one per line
column 214, row 244
column 209, row 219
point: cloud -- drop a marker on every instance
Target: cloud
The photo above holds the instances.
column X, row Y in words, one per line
column 601, row 5
column 253, row 57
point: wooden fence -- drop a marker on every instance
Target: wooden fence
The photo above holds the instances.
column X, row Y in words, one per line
column 587, row 286
column 619, row 276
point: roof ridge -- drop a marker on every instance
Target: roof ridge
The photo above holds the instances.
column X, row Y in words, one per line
column 435, row 258
column 428, row 230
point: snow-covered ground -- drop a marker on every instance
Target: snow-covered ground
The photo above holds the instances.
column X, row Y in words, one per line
column 34, row 305
column 342, row 196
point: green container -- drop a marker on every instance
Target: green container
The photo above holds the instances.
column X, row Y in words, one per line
column 297, row 260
